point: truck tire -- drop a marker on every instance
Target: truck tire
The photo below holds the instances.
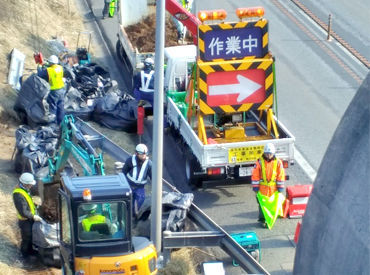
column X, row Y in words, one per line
column 192, row 166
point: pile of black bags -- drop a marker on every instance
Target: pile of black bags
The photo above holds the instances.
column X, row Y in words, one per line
column 90, row 95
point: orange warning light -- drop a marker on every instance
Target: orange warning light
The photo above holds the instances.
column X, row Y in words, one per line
column 250, row 12
column 212, row 15
column 86, row 194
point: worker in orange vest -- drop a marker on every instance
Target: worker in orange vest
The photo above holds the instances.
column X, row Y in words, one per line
column 268, row 176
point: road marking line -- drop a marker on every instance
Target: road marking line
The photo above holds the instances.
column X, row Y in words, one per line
column 307, row 168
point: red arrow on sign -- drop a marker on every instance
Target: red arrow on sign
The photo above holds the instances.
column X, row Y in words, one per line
column 236, row 87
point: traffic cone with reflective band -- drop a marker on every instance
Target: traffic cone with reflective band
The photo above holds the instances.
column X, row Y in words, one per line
column 297, row 231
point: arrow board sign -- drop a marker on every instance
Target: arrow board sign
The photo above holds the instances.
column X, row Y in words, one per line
column 236, row 87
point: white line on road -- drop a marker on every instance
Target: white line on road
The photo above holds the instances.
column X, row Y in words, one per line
column 307, row 168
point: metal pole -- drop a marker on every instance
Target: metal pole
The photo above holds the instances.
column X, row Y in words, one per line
column 155, row 232
column 329, row 29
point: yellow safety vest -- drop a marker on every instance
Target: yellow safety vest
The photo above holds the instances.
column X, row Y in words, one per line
column 89, row 221
column 29, row 200
column 55, row 73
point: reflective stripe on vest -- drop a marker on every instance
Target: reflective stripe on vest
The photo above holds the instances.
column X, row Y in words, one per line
column 138, row 179
column 145, row 84
column 268, row 188
column 55, row 73
column 29, row 200
column 273, row 176
column 89, row 221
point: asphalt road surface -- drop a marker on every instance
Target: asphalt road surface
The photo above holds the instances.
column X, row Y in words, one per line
column 316, row 80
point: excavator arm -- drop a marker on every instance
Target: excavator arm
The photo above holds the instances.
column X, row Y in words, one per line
column 74, row 144
column 189, row 20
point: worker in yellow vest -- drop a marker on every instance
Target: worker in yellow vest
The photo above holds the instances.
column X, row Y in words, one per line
column 94, row 221
column 55, row 99
column 27, row 214
column 268, row 176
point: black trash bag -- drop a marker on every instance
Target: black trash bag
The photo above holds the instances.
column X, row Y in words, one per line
column 34, row 147
column 99, row 70
column 74, row 104
column 116, row 112
column 175, row 207
column 45, row 234
column 90, row 86
column 69, row 73
column 32, row 100
column 111, row 86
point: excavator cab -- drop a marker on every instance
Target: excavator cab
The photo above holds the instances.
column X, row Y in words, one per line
column 95, row 228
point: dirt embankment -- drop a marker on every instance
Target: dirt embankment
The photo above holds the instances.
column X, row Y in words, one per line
column 26, row 26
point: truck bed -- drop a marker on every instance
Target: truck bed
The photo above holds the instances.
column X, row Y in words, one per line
column 240, row 151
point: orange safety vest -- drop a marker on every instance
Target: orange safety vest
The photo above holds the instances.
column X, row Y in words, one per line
column 267, row 175
column 55, row 73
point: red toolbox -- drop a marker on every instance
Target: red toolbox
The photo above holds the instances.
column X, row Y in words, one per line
column 298, row 197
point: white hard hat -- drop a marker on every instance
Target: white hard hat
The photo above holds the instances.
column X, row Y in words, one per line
column 53, row 59
column 27, row 178
column 141, row 148
column 269, row 148
column 89, row 206
column 149, row 60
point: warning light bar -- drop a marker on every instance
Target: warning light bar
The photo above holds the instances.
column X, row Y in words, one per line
column 212, row 15
column 86, row 194
column 250, row 12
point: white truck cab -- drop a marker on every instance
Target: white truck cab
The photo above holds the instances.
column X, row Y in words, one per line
column 179, row 61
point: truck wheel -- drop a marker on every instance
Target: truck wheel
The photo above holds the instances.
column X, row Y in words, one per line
column 192, row 166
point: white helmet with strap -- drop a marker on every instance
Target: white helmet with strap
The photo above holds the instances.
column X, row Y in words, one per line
column 141, row 149
column 89, row 206
column 27, row 178
column 53, row 59
column 269, row 149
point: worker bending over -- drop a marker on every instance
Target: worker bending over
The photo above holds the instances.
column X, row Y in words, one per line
column 268, row 176
column 137, row 169
column 26, row 212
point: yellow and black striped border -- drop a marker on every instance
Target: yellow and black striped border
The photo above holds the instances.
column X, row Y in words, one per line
column 205, row 68
column 261, row 23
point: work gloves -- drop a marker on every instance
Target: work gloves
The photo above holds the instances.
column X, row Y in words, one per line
column 37, row 218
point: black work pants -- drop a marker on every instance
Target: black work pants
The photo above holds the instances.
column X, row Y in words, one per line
column 105, row 9
column 26, row 234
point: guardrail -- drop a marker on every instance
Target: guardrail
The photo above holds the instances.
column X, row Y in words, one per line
column 211, row 233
